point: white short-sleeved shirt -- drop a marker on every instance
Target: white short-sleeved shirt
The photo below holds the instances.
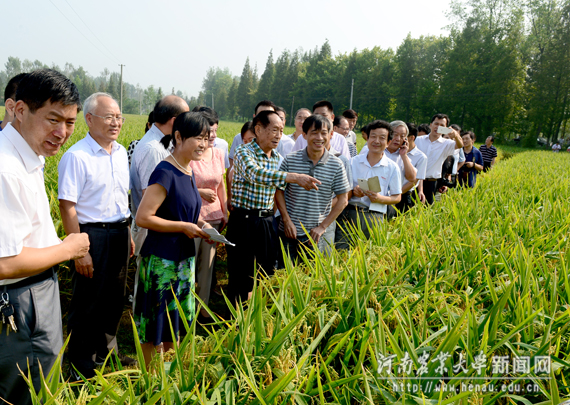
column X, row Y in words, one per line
column 338, row 142
column 436, row 152
column 148, row 153
column 285, row 145
column 351, row 137
column 419, row 161
column 222, row 144
column 96, row 181
column 417, row 158
column 24, row 205
column 388, row 173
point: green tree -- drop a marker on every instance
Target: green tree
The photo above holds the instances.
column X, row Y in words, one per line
column 484, row 74
column 265, row 87
column 245, row 90
column 13, row 67
column 548, row 83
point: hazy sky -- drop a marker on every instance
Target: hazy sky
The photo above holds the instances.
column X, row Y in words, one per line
column 172, row 43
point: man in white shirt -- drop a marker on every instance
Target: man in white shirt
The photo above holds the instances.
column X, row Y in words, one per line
column 397, row 151
column 367, row 209
column 149, row 152
column 437, row 149
column 410, row 191
column 285, row 143
column 338, row 142
column 45, row 112
column 93, row 198
column 340, row 126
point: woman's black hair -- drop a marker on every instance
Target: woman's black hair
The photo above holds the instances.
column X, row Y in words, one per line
column 189, row 125
column 248, row 126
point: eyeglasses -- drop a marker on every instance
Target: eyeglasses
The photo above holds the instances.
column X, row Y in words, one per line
column 109, row 118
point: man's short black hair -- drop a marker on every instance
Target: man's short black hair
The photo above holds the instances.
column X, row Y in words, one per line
column 470, row 133
column 318, row 121
column 440, row 116
column 365, row 130
column 492, row 138
column 167, row 108
column 43, row 85
column 379, row 124
column 324, row 103
column 350, row 114
column 12, row 86
column 209, row 113
column 264, row 103
column 424, row 128
column 412, row 130
column 456, row 127
column 337, row 120
column 263, row 119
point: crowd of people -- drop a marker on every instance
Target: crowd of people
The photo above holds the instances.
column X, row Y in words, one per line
column 162, row 200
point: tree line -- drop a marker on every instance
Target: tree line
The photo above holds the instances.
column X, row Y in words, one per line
column 136, row 100
column 504, row 69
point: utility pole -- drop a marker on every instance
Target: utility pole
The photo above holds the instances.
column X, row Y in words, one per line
column 121, row 87
column 351, row 91
column 292, row 103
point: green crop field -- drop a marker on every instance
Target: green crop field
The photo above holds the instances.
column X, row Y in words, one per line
column 480, row 276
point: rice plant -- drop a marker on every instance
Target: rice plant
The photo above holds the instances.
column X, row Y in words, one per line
column 481, row 275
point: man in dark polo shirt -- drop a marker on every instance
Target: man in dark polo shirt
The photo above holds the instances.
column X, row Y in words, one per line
column 312, row 209
column 250, row 227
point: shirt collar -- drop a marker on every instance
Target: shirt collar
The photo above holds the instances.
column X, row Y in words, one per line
column 323, row 160
column 95, row 147
column 31, row 160
column 156, row 132
column 364, row 160
column 387, row 152
column 258, row 151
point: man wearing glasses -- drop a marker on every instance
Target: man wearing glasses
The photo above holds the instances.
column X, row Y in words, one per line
column 93, row 198
column 341, row 126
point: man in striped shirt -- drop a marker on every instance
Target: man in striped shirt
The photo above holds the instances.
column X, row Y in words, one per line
column 250, row 227
column 489, row 153
column 314, row 210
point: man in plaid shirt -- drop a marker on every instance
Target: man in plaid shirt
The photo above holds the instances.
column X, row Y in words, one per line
column 250, row 226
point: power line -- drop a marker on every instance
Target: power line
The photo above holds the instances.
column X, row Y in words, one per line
column 81, row 32
column 96, row 37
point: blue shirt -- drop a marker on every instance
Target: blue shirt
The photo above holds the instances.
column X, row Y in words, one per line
column 182, row 203
column 470, row 172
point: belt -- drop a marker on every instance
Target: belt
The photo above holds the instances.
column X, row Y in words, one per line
column 33, row 279
column 254, row 212
column 108, row 225
column 362, row 209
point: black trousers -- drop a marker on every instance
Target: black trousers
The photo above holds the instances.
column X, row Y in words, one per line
column 360, row 218
column 430, row 187
column 97, row 303
column 407, row 201
column 486, row 166
column 255, row 244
